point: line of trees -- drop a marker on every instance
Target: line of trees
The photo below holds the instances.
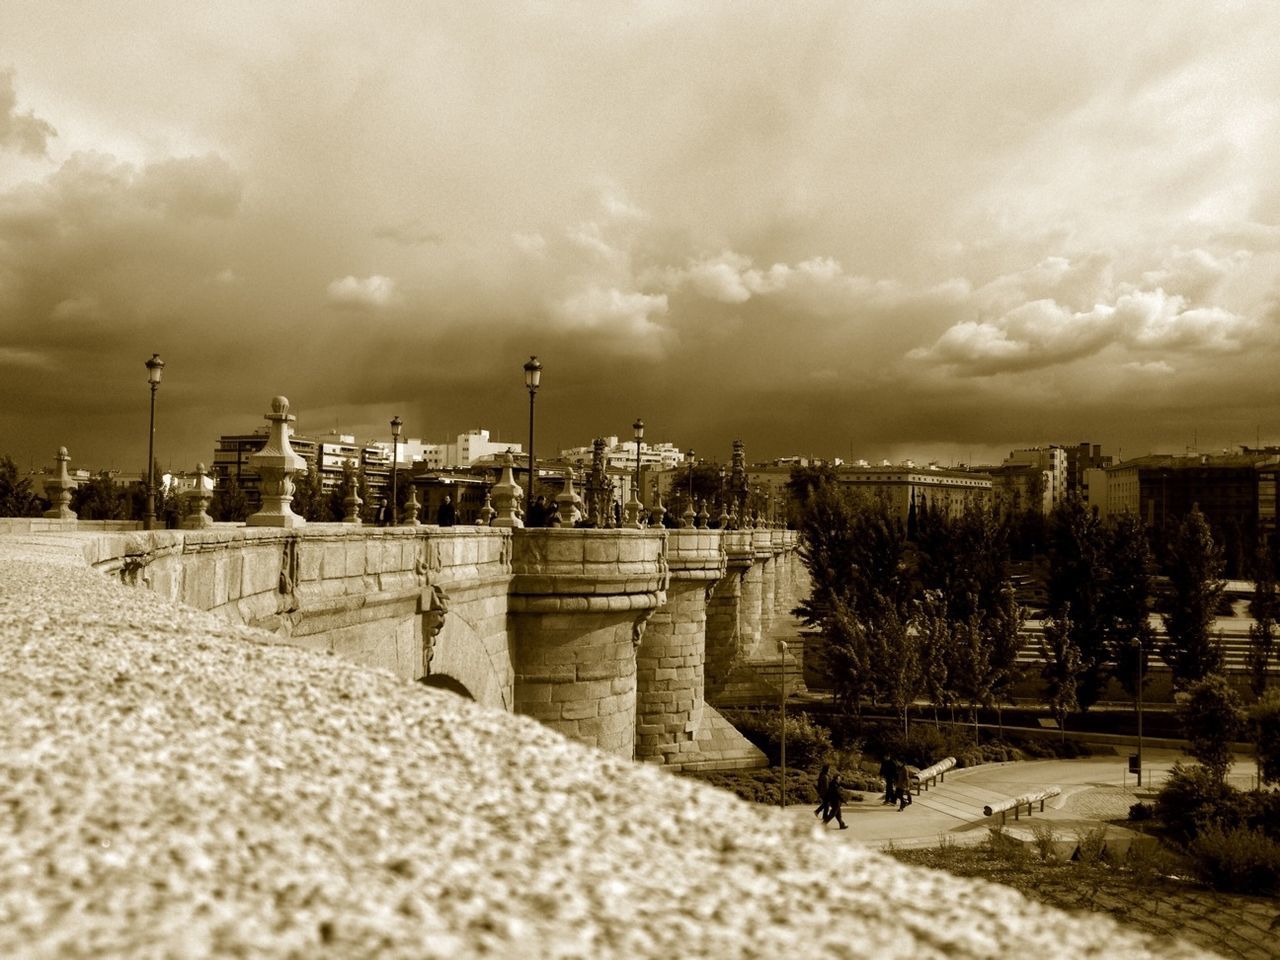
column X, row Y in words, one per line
column 927, row 610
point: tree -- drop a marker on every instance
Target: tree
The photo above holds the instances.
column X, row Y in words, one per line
column 17, row 499
column 936, row 649
column 1076, row 570
column 1063, row 666
column 1264, row 608
column 1126, row 601
column 706, row 492
column 1194, row 567
column 853, row 548
column 99, row 498
column 309, row 501
column 894, row 651
column 803, row 483
column 1212, row 716
column 1266, row 725
column 230, row 505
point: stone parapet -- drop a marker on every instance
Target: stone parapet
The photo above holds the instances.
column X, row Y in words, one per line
column 580, row 601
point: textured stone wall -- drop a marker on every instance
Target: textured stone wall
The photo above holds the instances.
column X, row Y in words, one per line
column 580, row 601
column 416, row 601
column 725, row 640
column 671, row 658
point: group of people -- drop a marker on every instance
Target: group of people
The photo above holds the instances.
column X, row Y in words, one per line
column 897, row 789
column 830, row 797
column 897, row 782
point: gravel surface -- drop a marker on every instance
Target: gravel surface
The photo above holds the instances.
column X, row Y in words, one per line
column 174, row 786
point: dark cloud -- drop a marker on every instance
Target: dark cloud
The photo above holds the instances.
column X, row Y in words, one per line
column 24, row 132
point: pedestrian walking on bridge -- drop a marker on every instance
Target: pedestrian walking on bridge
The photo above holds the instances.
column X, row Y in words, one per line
column 834, row 798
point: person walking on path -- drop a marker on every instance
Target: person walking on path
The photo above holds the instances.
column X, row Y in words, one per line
column 823, row 781
column 889, row 774
column 903, row 784
column 834, row 798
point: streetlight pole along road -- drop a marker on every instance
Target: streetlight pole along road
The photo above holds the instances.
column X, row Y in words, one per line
column 155, row 369
column 532, row 378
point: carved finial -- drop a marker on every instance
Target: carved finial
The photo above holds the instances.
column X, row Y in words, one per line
column 58, row 489
column 506, row 495
column 276, row 464
column 197, row 502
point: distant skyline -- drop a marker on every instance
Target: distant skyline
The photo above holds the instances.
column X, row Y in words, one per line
column 830, row 229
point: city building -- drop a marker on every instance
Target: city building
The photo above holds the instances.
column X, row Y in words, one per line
column 1051, row 461
column 951, row 491
column 1236, row 492
column 1082, row 459
column 622, row 454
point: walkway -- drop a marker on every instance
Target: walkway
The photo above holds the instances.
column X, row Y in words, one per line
column 1094, row 789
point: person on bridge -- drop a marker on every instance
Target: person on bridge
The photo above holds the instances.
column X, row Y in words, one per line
column 445, row 515
column 889, row 774
column 834, row 798
column 823, row 780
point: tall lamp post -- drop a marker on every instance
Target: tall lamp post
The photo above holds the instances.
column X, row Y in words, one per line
column 396, row 424
column 532, row 377
column 1137, row 643
column 782, row 703
column 638, row 429
column 155, row 369
column 690, row 456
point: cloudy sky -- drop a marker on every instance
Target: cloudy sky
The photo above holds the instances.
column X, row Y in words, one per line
column 892, row 229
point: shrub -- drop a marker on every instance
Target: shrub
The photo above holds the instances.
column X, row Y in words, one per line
column 1266, row 725
column 1192, row 798
column 1141, row 811
column 807, row 743
column 1237, row 860
column 1212, row 716
column 1091, row 844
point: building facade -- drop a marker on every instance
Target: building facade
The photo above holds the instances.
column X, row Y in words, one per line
column 951, row 491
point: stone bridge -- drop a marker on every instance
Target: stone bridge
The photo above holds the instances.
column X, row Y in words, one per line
column 618, row 638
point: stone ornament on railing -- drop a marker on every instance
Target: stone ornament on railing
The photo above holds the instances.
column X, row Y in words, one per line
column 658, row 512
column 631, row 514
column 506, row 495
column 688, row 517
column 409, row 513
column 276, row 463
column 703, row 517
column 197, row 502
column 568, row 503
column 487, row 513
column 353, row 503
column 58, row 489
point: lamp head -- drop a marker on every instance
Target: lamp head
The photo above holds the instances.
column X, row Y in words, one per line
column 532, row 374
column 155, row 369
column 638, row 427
column 396, row 424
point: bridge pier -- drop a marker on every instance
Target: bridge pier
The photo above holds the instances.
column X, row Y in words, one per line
column 725, row 640
column 579, row 605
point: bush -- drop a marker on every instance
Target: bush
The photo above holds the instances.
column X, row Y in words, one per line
column 1238, row 860
column 1212, row 716
column 1266, row 725
column 808, row 744
column 1141, row 811
column 1193, row 798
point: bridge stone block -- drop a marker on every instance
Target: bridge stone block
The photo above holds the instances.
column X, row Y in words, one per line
column 580, row 600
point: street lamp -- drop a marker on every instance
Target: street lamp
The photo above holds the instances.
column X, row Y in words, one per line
column 532, row 377
column 690, row 456
column 396, row 424
column 155, row 369
column 782, row 701
column 638, row 428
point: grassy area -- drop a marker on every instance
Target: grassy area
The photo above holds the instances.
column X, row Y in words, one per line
column 1147, row 892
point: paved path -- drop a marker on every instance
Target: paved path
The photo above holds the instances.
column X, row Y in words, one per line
column 1093, row 789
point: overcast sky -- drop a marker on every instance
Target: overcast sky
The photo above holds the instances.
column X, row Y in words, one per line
column 894, row 229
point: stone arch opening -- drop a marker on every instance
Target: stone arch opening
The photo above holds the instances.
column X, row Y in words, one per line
column 442, row 681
